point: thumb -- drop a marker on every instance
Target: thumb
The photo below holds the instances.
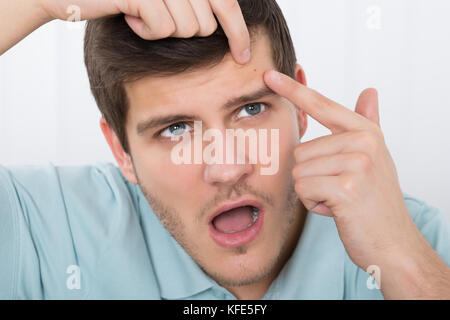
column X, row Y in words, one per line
column 323, row 210
column 367, row 105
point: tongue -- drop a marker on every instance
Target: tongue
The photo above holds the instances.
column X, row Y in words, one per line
column 234, row 220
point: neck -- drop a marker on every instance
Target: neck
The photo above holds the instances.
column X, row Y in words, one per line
column 258, row 290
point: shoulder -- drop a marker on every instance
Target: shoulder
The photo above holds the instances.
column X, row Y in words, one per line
column 57, row 217
column 32, row 176
column 424, row 213
column 63, row 187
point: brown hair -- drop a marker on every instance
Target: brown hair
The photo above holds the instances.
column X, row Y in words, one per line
column 114, row 54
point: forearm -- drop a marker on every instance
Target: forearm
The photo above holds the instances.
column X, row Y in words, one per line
column 18, row 18
column 424, row 276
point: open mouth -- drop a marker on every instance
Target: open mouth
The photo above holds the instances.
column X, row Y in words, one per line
column 236, row 220
column 236, row 224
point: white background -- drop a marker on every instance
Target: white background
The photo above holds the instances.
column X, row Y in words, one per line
column 400, row 47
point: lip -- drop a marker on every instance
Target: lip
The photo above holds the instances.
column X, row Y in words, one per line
column 238, row 238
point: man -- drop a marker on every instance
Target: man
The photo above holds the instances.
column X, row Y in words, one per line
column 158, row 229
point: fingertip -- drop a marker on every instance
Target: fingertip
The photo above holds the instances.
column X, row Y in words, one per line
column 240, row 45
column 245, row 56
column 375, row 92
column 235, row 28
column 239, row 55
column 273, row 76
column 136, row 24
column 369, row 93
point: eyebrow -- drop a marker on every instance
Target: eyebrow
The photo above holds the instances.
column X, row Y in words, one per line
column 164, row 120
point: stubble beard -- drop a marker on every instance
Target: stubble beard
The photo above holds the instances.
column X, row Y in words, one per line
column 170, row 220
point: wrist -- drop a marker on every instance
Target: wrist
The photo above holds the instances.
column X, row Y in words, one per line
column 422, row 275
column 405, row 279
column 41, row 13
column 18, row 19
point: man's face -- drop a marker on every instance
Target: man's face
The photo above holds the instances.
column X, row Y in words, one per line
column 185, row 196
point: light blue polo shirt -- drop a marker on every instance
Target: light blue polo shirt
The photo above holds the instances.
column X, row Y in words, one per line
column 87, row 233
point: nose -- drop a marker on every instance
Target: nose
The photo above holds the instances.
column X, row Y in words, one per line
column 227, row 174
column 232, row 163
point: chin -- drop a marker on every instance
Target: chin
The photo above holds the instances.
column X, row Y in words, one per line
column 242, row 269
column 241, row 276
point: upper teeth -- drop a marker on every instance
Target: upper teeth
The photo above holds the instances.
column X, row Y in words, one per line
column 255, row 214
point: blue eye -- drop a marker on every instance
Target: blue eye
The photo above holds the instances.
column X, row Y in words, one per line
column 252, row 109
column 176, row 129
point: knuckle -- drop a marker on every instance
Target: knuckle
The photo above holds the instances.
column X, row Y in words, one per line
column 243, row 33
column 362, row 161
column 194, row 28
column 146, row 34
column 300, row 186
column 170, row 28
column 321, row 102
column 241, row 36
column 298, row 168
column 189, row 30
column 208, row 30
column 122, row 5
column 368, row 140
column 225, row 5
column 379, row 133
column 300, row 151
column 348, row 185
column 327, row 104
column 166, row 30
column 294, row 171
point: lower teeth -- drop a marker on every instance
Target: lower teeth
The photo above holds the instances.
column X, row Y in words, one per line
column 254, row 218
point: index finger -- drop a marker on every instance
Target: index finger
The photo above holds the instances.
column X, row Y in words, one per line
column 332, row 115
column 230, row 17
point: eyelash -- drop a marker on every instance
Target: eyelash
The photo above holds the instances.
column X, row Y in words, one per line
column 266, row 106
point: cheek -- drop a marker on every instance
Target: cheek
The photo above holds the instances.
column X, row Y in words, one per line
column 161, row 174
column 183, row 177
column 287, row 141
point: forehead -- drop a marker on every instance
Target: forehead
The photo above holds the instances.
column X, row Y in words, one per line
column 212, row 85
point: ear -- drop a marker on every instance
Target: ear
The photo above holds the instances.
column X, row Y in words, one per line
column 302, row 117
column 123, row 159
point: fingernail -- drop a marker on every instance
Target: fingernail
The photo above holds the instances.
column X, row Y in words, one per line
column 245, row 56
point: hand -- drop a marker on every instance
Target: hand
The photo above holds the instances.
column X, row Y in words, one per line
column 350, row 176
column 157, row 19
